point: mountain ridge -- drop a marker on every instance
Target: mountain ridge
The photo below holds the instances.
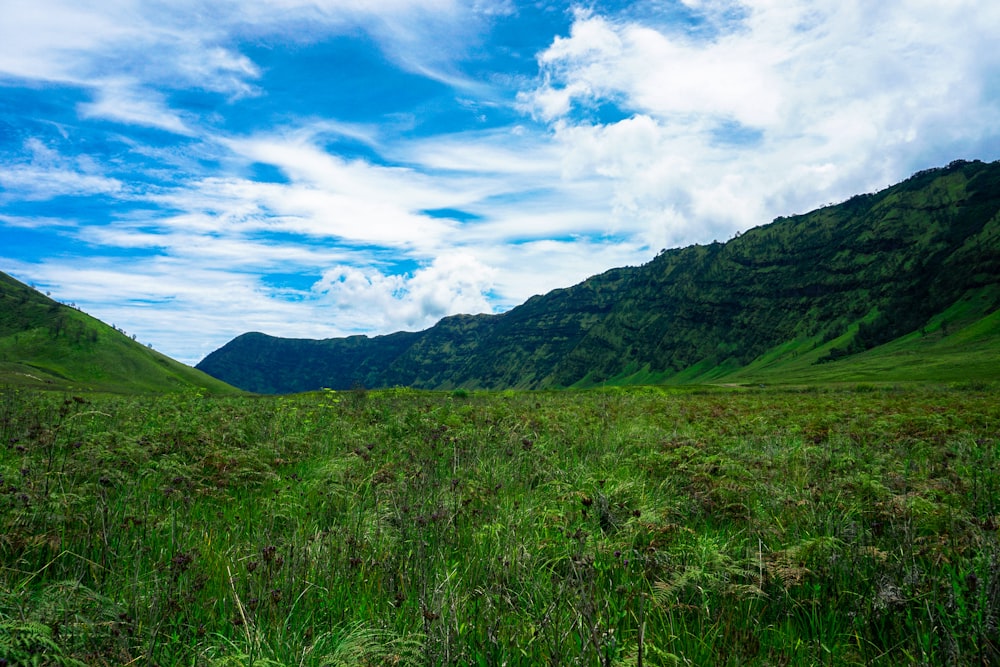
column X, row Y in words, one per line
column 835, row 283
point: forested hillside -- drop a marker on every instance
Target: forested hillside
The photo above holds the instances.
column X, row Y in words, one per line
column 820, row 288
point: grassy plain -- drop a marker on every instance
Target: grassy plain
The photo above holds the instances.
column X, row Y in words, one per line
column 638, row 526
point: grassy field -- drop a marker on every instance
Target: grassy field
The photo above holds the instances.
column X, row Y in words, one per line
column 643, row 526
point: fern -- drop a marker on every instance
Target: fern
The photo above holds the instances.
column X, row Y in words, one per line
column 361, row 645
column 31, row 643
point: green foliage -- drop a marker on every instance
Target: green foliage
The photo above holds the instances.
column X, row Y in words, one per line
column 683, row 525
column 45, row 344
column 817, row 289
column 31, row 643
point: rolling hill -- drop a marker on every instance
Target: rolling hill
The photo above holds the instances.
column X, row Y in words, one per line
column 903, row 284
column 46, row 344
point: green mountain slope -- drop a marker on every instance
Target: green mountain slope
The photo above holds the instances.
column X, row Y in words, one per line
column 46, row 344
column 896, row 285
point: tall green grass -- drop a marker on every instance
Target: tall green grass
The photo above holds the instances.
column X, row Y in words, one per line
column 624, row 527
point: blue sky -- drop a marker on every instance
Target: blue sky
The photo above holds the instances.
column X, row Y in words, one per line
column 189, row 171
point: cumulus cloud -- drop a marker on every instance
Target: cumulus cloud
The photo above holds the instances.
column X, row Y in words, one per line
column 790, row 107
column 372, row 300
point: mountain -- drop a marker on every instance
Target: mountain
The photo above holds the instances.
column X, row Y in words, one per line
column 46, row 344
column 901, row 284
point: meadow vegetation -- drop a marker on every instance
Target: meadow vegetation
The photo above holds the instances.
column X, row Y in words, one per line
column 635, row 526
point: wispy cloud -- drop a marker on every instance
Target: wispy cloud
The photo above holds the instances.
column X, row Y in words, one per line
column 41, row 173
column 126, row 102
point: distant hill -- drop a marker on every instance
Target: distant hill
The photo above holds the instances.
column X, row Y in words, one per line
column 46, row 344
column 899, row 285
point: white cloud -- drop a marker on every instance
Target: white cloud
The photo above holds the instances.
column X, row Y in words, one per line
column 217, row 69
column 369, row 300
column 508, row 153
column 184, row 45
column 44, row 174
column 792, row 107
column 36, row 183
column 348, row 209
column 127, row 102
column 537, row 267
column 655, row 72
column 43, row 40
